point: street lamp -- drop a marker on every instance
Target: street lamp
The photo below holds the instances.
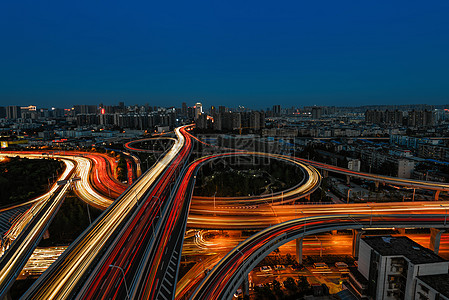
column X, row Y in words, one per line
column 124, row 279
column 160, row 203
column 154, row 235
column 243, row 256
column 445, row 216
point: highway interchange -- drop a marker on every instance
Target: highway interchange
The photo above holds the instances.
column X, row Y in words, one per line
column 146, row 214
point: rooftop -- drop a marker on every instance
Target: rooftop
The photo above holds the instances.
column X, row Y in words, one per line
column 402, row 246
column 438, row 282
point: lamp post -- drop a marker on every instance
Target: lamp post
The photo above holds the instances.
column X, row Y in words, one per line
column 243, row 256
column 445, row 216
column 154, row 234
column 124, row 279
column 160, row 203
column 88, row 213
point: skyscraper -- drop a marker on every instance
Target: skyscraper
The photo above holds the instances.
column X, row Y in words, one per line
column 184, row 109
column 198, row 110
column 13, row 112
column 276, row 110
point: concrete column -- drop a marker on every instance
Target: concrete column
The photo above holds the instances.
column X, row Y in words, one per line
column 245, row 286
column 376, row 184
column 308, row 197
column 437, row 195
column 348, row 179
column 7, row 296
column 356, row 235
column 333, row 232
column 401, row 230
column 325, row 173
column 299, row 250
column 435, row 238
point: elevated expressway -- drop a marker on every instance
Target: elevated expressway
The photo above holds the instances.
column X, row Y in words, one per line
column 67, row 275
column 418, row 184
column 145, row 236
column 65, row 278
column 281, row 213
column 232, row 271
column 26, row 233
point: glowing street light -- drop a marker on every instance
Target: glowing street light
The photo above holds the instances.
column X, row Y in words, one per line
column 124, row 279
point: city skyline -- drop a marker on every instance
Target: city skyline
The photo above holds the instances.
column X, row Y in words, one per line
column 324, row 53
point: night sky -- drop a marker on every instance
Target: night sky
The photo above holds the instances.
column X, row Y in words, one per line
column 251, row 53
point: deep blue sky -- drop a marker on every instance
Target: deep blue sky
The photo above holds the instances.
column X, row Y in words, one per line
column 252, row 53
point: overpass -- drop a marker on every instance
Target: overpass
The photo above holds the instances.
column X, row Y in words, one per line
column 67, row 275
column 232, row 271
column 28, row 231
column 418, row 184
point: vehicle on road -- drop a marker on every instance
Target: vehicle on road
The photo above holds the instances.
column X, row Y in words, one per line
column 238, row 294
column 341, row 265
column 279, row 267
column 320, row 265
column 266, row 269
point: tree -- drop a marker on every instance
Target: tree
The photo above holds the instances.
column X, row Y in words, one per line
column 290, row 285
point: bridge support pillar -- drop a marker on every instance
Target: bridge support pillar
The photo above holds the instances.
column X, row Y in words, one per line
column 348, row 179
column 299, row 250
column 325, row 173
column 8, row 296
column 245, row 286
column 435, row 238
column 437, row 195
column 401, row 230
column 376, row 184
column 308, row 197
column 356, row 235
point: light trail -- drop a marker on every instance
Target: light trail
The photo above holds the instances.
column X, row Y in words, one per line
column 32, row 225
column 60, row 280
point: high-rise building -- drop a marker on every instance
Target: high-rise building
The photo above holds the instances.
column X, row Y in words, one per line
column 420, row 118
column 13, row 112
column 85, row 109
column 198, row 110
column 213, row 110
column 388, row 268
column 2, row 112
column 184, row 109
column 316, row 113
column 276, row 110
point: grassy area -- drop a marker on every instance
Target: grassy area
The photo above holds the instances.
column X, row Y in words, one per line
column 70, row 221
column 257, row 177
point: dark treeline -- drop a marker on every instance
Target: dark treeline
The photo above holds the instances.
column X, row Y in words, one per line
column 70, row 221
column 22, row 179
column 230, row 178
